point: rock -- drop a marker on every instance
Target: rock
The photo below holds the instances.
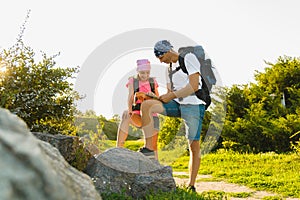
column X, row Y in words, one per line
column 70, row 147
column 90, row 147
column 33, row 169
column 64, row 143
column 120, row 170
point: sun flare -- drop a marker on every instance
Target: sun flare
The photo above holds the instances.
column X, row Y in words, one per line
column 2, row 66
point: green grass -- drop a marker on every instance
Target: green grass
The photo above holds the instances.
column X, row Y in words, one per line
column 239, row 194
column 273, row 198
column 279, row 173
column 181, row 193
column 212, row 179
column 181, row 176
column 133, row 145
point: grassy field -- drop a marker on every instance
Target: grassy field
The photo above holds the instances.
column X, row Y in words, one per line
column 279, row 173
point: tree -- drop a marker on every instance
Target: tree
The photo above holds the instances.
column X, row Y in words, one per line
column 282, row 79
column 257, row 117
column 170, row 128
column 38, row 92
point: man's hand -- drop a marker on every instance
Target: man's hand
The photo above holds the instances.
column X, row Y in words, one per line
column 167, row 97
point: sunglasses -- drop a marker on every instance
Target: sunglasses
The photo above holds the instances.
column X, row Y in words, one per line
column 158, row 54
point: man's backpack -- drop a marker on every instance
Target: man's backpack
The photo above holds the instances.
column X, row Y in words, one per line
column 208, row 78
column 206, row 68
column 137, row 89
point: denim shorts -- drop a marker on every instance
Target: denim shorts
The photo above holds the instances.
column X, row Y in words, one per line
column 192, row 115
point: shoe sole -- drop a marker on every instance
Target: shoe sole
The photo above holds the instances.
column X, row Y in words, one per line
column 149, row 155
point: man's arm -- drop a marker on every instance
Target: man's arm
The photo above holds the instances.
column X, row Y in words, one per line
column 189, row 89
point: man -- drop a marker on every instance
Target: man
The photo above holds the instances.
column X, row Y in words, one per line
column 179, row 101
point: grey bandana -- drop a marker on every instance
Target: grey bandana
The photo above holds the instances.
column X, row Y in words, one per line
column 162, row 47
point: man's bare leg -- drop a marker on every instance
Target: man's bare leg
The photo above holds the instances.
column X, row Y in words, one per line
column 147, row 109
column 194, row 163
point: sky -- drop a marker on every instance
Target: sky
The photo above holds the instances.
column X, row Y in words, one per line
column 239, row 36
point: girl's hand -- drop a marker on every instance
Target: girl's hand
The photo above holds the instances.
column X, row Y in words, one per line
column 150, row 94
column 127, row 114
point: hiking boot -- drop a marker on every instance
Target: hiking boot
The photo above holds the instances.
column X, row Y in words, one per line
column 191, row 188
column 147, row 152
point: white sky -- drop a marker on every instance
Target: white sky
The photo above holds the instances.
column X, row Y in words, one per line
column 237, row 34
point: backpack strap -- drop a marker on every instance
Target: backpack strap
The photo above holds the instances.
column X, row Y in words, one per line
column 170, row 73
column 181, row 63
column 152, row 85
column 135, row 89
column 136, row 86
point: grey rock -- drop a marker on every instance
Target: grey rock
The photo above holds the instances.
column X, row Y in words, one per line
column 33, row 169
column 70, row 147
column 119, row 170
column 64, row 143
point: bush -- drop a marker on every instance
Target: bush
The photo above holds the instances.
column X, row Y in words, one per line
column 38, row 92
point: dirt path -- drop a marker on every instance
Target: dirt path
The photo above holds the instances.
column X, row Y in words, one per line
column 202, row 185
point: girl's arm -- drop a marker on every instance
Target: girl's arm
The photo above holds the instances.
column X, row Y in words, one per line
column 156, row 92
column 130, row 97
column 156, row 88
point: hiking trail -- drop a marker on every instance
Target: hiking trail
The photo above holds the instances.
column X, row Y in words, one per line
column 204, row 186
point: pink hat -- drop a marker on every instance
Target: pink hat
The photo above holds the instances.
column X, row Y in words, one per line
column 143, row 65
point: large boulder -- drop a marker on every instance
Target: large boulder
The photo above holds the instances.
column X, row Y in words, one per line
column 119, row 170
column 33, row 169
column 67, row 145
column 70, row 147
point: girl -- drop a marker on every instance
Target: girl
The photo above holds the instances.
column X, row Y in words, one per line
column 141, row 83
